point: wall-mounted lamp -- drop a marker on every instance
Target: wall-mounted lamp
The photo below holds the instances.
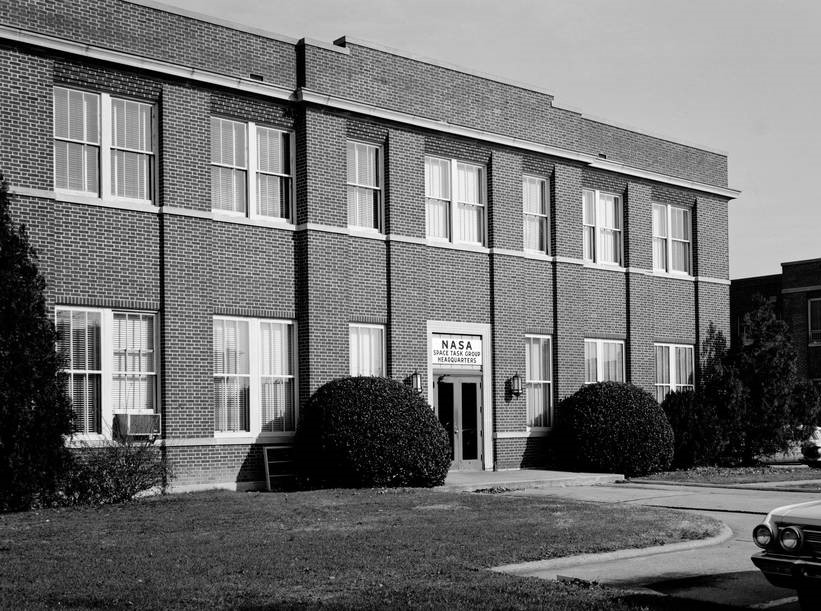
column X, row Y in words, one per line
column 416, row 381
column 515, row 385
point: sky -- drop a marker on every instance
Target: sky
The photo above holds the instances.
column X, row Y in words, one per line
column 739, row 76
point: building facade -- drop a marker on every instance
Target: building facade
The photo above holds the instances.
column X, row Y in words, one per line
column 795, row 294
column 227, row 219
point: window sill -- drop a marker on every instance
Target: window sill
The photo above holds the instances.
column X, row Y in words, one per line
column 463, row 246
column 137, row 205
column 257, row 221
column 365, row 232
column 673, row 275
column 610, row 267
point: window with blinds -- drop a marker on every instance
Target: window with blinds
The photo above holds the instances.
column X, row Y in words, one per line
column 232, row 376
column 603, row 361
column 274, row 174
column 111, row 363
column 672, row 236
column 536, row 214
column 228, row 165
column 103, row 146
column 254, row 376
column 367, row 350
column 675, row 370
column 602, row 234
column 814, row 320
column 454, row 201
column 364, row 188
column 538, row 377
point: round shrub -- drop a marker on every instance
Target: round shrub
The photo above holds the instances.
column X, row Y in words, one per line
column 613, row 428
column 696, row 429
column 370, row 432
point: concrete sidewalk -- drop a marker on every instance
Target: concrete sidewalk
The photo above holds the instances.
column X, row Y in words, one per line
column 525, row 479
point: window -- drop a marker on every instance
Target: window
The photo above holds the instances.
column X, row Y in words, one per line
column 674, row 369
column 103, row 145
column 367, row 350
column 454, row 195
column 254, row 380
column 241, row 173
column 364, row 195
column 671, row 239
column 814, row 323
column 536, row 206
column 538, row 368
column 602, row 227
column 111, row 362
column 603, row 361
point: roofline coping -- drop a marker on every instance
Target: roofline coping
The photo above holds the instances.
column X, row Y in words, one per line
column 801, row 262
column 232, row 25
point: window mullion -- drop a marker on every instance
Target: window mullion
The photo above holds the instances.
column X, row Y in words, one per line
column 106, row 367
column 254, row 381
column 105, row 146
column 251, row 161
column 453, row 202
column 668, row 267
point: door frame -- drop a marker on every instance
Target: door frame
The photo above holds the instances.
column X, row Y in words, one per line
column 462, row 377
column 483, row 331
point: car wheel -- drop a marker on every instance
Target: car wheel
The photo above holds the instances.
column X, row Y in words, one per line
column 809, row 598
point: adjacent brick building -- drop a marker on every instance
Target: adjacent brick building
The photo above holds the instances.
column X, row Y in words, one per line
column 795, row 294
column 228, row 219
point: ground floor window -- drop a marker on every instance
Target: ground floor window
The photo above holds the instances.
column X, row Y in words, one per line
column 367, row 350
column 111, row 362
column 254, row 379
column 674, row 369
column 538, row 368
column 603, row 361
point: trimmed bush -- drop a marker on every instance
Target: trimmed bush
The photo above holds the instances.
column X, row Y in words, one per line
column 696, row 429
column 370, row 432
column 113, row 473
column 613, row 428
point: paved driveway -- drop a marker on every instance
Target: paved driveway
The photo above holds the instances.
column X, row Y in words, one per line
column 722, row 573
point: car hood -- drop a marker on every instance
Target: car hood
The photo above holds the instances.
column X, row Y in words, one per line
column 801, row 513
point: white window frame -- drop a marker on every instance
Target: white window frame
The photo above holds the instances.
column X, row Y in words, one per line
column 816, row 340
column 252, row 172
column 106, row 147
column 453, row 203
column 107, row 370
column 669, row 239
column 354, row 369
column 599, row 343
column 255, row 379
column 543, row 218
column 673, row 385
column 599, row 228
column 378, row 189
column 546, row 384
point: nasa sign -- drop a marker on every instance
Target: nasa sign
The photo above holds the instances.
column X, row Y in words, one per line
column 455, row 350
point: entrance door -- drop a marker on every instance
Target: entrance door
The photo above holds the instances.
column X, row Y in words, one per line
column 458, row 403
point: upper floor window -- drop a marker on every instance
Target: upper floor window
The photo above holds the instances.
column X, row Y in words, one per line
column 538, row 376
column 603, row 361
column 367, row 350
column 671, row 239
column 259, row 172
column 364, row 192
column 814, row 322
column 111, row 362
column 454, row 195
column 536, row 214
column 674, row 369
column 602, row 222
column 254, row 381
column 103, row 145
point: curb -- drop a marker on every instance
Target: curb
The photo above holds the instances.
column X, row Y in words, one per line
column 567, row 482
column 528, row 568
column 784, row 486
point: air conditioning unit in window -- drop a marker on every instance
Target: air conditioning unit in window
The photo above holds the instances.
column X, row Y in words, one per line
column 135, row 426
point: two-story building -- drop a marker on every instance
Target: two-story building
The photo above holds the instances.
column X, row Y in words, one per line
column 228, row 218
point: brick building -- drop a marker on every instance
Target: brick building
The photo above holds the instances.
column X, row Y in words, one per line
column 228, row 219
column 796, row 297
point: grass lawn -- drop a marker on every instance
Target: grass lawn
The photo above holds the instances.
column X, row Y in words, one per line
column 738, row 475
column 338, row 548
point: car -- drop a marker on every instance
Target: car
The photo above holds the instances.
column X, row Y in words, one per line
column 811, row 449
column 790, row 539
